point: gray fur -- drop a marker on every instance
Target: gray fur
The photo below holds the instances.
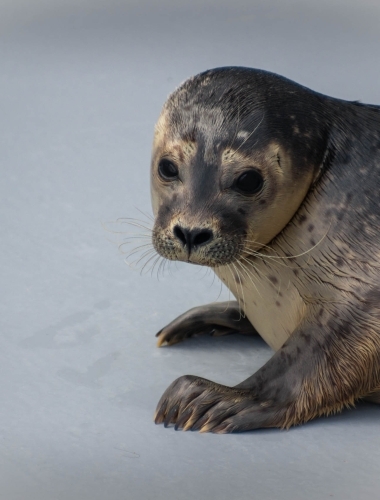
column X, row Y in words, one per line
column 313, row 289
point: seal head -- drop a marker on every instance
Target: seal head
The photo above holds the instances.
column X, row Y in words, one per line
column 235, row 152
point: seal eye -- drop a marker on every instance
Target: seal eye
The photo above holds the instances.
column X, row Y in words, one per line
column 167, row 170
column 249, row 182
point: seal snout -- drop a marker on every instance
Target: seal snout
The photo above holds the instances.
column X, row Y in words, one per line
column 191, row 238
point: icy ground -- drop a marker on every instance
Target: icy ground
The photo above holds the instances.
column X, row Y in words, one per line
column 81, row 85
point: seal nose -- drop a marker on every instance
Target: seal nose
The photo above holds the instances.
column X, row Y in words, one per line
column 191, row 238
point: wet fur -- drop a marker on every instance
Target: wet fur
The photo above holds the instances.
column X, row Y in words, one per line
column 323, row 307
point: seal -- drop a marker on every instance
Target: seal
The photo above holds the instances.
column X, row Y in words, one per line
column 275, row 187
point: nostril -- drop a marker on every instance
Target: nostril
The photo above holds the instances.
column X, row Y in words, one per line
column 202, row 237
column 192, row 237
column 180, row 234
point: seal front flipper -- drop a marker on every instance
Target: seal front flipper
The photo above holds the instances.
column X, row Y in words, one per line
column 221, row 318
column 311, row 375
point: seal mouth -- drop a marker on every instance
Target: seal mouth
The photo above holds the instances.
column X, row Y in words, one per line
column 208, row 239
column 214, row 252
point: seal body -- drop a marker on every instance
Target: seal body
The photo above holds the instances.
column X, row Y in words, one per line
column 276, row 188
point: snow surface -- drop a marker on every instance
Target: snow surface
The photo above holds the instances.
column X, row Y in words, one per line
column 81, row 86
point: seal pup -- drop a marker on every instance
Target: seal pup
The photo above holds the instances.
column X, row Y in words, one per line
column 275, row 187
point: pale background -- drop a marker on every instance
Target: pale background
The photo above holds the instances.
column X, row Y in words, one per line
column 81, row 85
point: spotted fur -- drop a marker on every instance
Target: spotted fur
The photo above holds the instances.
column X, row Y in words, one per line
column 302, row 256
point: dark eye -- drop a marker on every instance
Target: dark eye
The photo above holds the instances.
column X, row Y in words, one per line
column 249, row 182
column 167, row 170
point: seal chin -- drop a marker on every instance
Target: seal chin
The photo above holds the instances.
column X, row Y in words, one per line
column 209, row 261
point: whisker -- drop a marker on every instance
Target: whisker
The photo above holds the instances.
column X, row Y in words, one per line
column 137, row 261
column 220, row 291
column 104, row 226
column 138, row 249
column 154, row 264
column 164, row 266
column 134, row 223
column 229, row 288
column 266, row 258
column 146, row 263
column 136, row 236
column 160, row 269
column 257, row 269
column 220, row 282
column 237, row 125
column 248, row 274
column 289, row 256
column 242, row 291
column 249, row 135
column 145, row 254
column 134, row 250
column 149, row 217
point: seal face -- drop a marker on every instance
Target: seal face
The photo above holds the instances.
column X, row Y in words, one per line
column 257, row 177
column 228, row 170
